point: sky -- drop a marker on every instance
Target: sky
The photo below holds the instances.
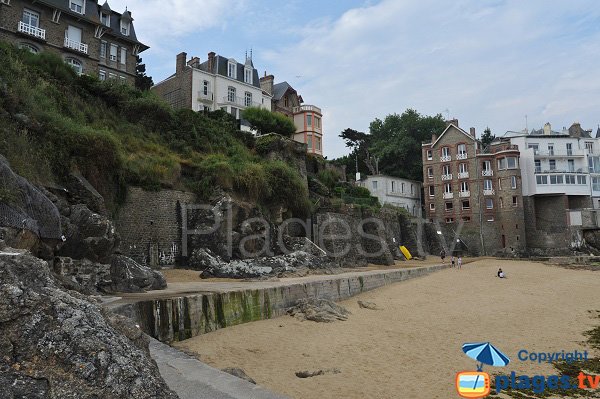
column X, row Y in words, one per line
column 496, row 63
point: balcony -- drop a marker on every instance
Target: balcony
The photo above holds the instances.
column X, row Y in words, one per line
column 447, row 177
column 463, row 175
column 448, row 195
column 72, row 44
column 32, row 30
column 208, row 96
column 239, row 101
column 463, row 194
column 487, row 173
column 307, row 108
column 461, row 155
column 488, row 191
column 559, row 154
column 445, row 158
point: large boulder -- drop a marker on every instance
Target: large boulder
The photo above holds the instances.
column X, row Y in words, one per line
column 80, row 191
column 55, row 344
column 83, row 275
column 129, row 276
column 89, row 235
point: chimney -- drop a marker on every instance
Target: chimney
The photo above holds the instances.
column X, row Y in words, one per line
column 211, row 61
column 547, row 129
column 452, row 122
column 472, row 131
column 433, row 138
column 180, row 66
column 266, row 83
column 194, row 62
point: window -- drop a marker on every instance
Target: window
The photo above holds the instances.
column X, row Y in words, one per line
column 31, row 18
column 449, row 220
column 374, row 181
column 462, row 149
column 412, row 188
column 552, row 164
column 77, row 6
column 569, row 179
column 445, row 151
column 490, row 219
column 393, row 186
column 596, row 183
column 431, row 191
column 571, row 165
column 205, row 87
column 538, row 166
column 430, row 172
column 123, row 56
column 234, row 112
column 515, row 201
column 535, row 148
column 102, row 75
column 466, row 205
column 489, row 203
column 513, row 182
column 76, row 65
column 486, row 165
column 402, row 187
column 318, row 142
column 247, row 99
column 511, row 162
column 113, row 52
column 550, row 149
column 501, row 163
column 317, row 122
column 105, row 19
column 308, row 120
column 463, row 168
column 466, row 218
column 286, row 101
column 231, row 94
column 103, row 49
column 112, row 75
column 124, row 28
column 122, row 77
column 74, row 35
column 541, row 179
column 464, row 186
column 446, row 170
column 569, row 149
column 248, row 75
column 29, row 47
column 432, row 207
column 447, row 188
column 581, row 179
column 589, row 146
column 556, row 179
column 449, row 206
column 487, row 184
column 429, row 155
column 500, row 202
column 499, row 184
column 231, row 69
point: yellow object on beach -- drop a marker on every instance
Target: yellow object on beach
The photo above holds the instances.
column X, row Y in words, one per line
column 405, row 252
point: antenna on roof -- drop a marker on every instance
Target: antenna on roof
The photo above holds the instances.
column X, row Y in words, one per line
column 526, row 127
column 447, row 111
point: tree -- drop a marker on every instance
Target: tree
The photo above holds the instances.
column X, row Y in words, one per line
column 265, row 121
column 487, row 137
column 359, row 142
column 142, row 81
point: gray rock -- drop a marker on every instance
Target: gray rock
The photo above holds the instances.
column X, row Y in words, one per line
column 368, row 305
column 204, row 258
column 61, row 346
column 308, row 374
column 129, row 276
column 83, row 275
column 319, row 310
column 80, row 191
column 239, row 373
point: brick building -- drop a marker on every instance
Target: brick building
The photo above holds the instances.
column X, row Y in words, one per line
column 480, row 189
column 92, row 38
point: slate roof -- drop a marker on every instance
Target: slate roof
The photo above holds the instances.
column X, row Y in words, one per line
column 220, row 67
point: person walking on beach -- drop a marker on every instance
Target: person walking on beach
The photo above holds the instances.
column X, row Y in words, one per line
column 443, row 255
column 452, row 260
column 460, row 262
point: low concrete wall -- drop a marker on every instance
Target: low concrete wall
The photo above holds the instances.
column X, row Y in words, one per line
column 182, row 317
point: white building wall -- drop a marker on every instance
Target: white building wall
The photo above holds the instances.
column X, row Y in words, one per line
column 398, row 197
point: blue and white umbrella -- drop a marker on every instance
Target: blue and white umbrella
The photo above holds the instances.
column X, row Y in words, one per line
column 485, row 353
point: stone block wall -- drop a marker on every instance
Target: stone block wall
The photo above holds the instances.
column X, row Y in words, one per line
column 177, row 90
column 149, row 224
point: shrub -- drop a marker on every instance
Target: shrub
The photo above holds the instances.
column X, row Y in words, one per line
column 329, row 177
column 265, row 121
column 287, row 187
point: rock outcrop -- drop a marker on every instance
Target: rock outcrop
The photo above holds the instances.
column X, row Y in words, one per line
column 55, row 344
column 319, row 310
column 129, row 276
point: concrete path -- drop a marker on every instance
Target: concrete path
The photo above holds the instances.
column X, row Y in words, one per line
column 192, row 379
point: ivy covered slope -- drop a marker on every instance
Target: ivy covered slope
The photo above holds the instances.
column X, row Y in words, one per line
column 53, row 122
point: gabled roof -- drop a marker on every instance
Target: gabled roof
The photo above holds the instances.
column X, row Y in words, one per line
column 457, row 128
column 279, row 90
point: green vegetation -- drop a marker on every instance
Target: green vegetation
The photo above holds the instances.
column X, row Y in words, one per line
column 487, row 137
column 53, row 122
column 265, row 121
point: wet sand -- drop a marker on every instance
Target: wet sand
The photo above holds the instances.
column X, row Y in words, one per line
column 412, row 347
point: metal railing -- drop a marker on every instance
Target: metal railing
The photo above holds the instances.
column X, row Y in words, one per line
column 487, row 173
column 445, row 158
column 447, row 177
column 464, row 194
column 461, row 156
column 205, row 96
column 488, row 191
column 72, row 44
column 448, row 195
column 240, row 101
column 463, row 175
column 306, row 108
column 32, row 30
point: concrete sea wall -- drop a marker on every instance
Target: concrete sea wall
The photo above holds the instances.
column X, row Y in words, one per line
column 181, row 317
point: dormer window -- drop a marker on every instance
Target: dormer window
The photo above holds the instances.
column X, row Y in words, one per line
column 105, row 19
column 232, row 69
column 77, row 6
column 125, row 28
column 248, row 75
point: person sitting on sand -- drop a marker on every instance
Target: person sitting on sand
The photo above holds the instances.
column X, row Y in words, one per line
column 500, row 273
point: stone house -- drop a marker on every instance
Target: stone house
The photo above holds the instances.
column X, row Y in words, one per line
column 90, row 37
column 473, row 193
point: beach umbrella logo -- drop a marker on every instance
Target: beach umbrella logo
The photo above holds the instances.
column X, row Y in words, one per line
column 476, row 384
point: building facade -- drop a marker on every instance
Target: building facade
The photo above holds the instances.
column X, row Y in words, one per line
column 395, row 191
column 217, row 83
column 472, row 193
column 307, row 118
column 90, row 37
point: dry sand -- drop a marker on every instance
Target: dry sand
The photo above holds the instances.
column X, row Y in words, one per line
column 412, row 348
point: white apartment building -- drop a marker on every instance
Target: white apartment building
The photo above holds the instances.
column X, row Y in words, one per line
column 559, row 163
column 395, row 191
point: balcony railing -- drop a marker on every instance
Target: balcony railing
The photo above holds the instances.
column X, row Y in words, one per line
column 447, row 177
column 487, row 173
column 445, row 158
column 239, row 101
column 208, row 96
column 72, row 44
column 306, row 108
column 463, row 175
column 464, row 194
column 488, row 191
column 448, row 195
column 557, row 154
column 461, row 156
column 32, row 30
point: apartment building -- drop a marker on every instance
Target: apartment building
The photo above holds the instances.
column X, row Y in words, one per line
column 90, row 37
column 395, row 191
column 307, row 118
column 473, row 193
column 217, row 83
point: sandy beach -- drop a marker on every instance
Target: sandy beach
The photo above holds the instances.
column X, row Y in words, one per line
column 412, row 347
